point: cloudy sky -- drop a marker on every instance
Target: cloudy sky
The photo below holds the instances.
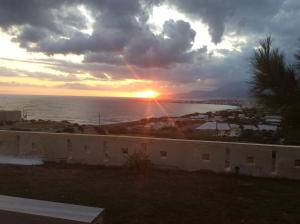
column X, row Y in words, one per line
column 125, row 47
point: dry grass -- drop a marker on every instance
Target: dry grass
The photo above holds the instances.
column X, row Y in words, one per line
column 160, row 196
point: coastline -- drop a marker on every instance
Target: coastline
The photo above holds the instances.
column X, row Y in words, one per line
column 180, row 127
column 111, row 110
column 217, row 101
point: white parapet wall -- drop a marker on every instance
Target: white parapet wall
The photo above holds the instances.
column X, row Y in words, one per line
column 190, row 155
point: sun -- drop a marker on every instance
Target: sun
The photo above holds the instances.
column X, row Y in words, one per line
column 147, row 94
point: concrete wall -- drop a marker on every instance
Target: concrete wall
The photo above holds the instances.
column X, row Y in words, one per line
column 190, row 155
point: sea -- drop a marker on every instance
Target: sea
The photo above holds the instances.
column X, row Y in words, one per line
column 91, row 110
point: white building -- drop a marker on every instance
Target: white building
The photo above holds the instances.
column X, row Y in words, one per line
column 208, row 128
column 211, row 125
column 220, row 129
column 223, row 129
column 267, row 127
column 275, row 120
column 235, row 130
column 248, row 127
column 242, row 116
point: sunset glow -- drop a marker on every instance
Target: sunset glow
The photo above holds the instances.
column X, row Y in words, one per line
column 174, row 47
column 148, row 94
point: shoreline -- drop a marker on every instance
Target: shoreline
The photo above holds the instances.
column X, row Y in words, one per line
column 217, row 101
column 177, row 127
column 111, row 110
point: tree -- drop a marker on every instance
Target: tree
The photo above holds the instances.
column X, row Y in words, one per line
column 275, row 84
column 297, row 56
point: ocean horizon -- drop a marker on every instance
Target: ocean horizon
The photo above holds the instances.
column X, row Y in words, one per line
column 86, row 110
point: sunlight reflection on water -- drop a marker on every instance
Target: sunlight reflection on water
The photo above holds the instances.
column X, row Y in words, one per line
column 85, row 110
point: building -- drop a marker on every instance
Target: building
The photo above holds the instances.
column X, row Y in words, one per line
column 235, row 130
column 220, row 129
column 242, row 116
column 223, row 129
column 273, row 120
column 267, row 127
column 10, row 115
column 208, row 128
column 248, row 127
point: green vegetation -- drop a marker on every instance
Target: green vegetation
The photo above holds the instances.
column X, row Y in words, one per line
column 297, row 56
column 138, row 161
column 276, row 85
column 159, row 196
column 68, row 130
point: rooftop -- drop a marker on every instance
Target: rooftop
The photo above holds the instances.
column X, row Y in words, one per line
column 212, row 125
column 223, row 126
column 267, row 127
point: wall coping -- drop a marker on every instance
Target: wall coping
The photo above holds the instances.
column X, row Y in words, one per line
column 153, row 138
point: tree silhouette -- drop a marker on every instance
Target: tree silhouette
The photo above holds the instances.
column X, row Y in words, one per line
column 297, row 56
column 275, row 84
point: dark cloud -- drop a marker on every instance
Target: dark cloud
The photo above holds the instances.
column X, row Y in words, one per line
column 32, row 12
column 14, row 12
column 31, row 34
column 217, row 14
column 213, row 13
column 172, row 46
column 149, row 50
column 104, row 57
column 117, row 21
column 115, row 24
column 122, row 35
column 119, row 33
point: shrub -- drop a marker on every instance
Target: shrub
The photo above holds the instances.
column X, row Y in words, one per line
column 9, row 122
column 138, row 161
column 68, row 130
column 80, row 128
column 100, row 130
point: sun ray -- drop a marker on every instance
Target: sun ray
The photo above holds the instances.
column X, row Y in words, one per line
column 170, row 119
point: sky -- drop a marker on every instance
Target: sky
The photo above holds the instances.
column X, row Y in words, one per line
column 131, row 48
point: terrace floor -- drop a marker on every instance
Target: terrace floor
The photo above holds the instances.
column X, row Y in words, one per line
column 159, row 196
